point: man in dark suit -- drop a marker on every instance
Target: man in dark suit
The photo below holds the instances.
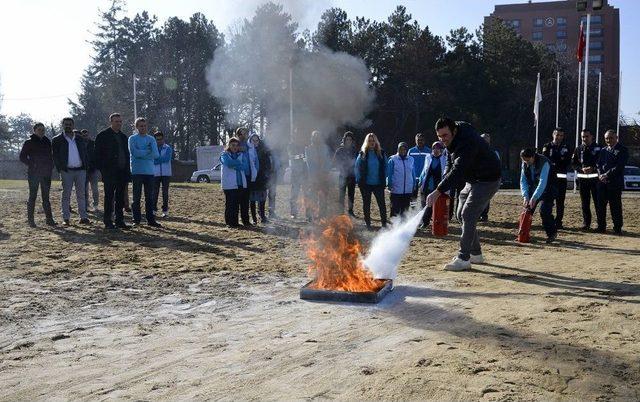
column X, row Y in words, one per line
column 36, row 154
column 611, row 163
column 111, row 154
column 71, row 160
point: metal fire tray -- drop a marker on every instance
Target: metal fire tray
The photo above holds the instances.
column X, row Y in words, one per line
column 307, row 293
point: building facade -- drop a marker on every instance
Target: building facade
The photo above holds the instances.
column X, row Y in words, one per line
column 556, row 25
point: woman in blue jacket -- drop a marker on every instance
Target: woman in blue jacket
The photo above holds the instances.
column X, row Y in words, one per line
column 370, row 175
column 235, row 166
column 401, row 180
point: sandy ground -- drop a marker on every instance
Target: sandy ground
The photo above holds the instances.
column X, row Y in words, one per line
column 198, row 311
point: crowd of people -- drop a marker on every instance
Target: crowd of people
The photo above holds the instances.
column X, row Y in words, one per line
column 461, row 164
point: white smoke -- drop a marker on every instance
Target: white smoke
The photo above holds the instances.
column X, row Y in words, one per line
column 388, row 248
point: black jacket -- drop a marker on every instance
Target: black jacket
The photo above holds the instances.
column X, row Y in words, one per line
column 91, row 157
column 612, row 162
column 586, row 156
column 36, row 154
column 470, row 159
column 559, row 155
column 345, row 160
column 60, row 148
column 106, row 154
column 265, row 169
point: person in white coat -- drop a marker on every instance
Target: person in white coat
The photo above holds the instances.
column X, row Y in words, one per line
column 435, row 164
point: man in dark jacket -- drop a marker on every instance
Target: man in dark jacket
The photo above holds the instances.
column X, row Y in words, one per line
column 345, row 160
column 297, row 171
column 92, row 172
column 611, row 163
column 470, row 160
column 558, row 153
column 71, row 160
column 36, row 154
column 112, row 159
column 538, row 185
column 584, row 162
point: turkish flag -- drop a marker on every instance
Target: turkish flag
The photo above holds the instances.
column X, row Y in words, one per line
column 581, row 44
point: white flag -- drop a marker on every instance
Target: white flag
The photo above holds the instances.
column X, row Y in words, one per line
column 536, row 103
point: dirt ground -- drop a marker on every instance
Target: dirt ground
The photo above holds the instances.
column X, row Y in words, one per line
column 195, row 310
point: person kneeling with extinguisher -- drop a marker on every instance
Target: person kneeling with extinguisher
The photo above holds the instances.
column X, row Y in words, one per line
column 538, row 186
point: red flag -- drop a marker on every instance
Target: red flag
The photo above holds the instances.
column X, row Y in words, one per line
column 581, row 44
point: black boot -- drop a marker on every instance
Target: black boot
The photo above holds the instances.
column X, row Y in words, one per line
column 30, row 214
column 254, row 214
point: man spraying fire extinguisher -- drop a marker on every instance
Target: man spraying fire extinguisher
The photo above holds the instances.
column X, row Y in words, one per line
column 538, row 185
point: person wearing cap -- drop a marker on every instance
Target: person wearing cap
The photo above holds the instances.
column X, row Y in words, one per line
column 557, row 151
column 538, row 185
column 435, row 164
column 584, row 162
column 419, row 153
column 401, row 179
column 345, row 160
column 485, row 214
column 472, row 162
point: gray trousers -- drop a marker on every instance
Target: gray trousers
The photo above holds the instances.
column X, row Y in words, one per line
column 92, row 179
column 71, row 178
column 473, row 200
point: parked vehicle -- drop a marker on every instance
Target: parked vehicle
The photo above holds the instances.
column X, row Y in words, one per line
column 206, row 175
column 631, row 178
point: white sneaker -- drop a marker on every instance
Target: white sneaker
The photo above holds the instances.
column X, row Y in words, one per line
column 476, row 259
column 165, row 215
column 457, row 265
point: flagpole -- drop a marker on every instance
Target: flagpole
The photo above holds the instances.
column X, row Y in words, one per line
column 291, row 102
column 578, row 105
column 135, row 104
column 586, row 73
column 619, row 103
column 598, row 118
column 558, row 99
column 538, row 111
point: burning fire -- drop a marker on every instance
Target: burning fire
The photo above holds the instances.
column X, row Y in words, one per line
column 337, row 259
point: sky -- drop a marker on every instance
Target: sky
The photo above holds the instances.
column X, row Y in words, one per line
column 44, row 47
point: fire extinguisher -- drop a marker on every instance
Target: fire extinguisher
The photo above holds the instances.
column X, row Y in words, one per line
column 524, row 230
column 440, row 216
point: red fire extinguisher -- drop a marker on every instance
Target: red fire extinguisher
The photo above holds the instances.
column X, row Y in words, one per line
column 440, row 216
column 524, row 230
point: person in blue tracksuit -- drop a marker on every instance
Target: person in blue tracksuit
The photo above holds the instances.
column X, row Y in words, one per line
column 235, row 165
column 162, row 167
column 538, row 185
column 143, row 150
column 419, row 154
column 370, row 175
column 401, row 179
column 435, row 164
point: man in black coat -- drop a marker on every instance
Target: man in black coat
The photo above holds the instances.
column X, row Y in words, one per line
column 111, row 154
column 559, row 154
column 584, row 162
column 36, row 154
column 471, row 161
column 611, row 163
column 71, row 160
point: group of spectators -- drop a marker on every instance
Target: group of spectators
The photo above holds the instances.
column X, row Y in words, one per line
column 141, row 159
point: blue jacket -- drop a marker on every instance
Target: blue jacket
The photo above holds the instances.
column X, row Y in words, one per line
column 143, row 151
column 400, row 176
column 371, row 169
column 233, row 172
column 424, row 180
column 419, row 155
column 162, row 164
column 539, row 179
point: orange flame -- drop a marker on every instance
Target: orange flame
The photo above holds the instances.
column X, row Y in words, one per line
column 336, row 256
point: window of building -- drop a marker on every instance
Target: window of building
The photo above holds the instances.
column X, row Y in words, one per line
column 596, row 32
column 596, row 58
column 537, row 36
column 595, row 45
column 561, row 34
column 561, row 46
column 561, row 21
column 595, row 19
column 538, row 22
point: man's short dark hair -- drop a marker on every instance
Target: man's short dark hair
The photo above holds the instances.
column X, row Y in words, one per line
column 446, row 122
column 36, row 125
column 158, row 134
column 559, row 129
column 419, row 135
column 528, row 153
column 113, row 115
column 586, row 130
column 84, row 131
column 68, row 119
column 139, row 120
